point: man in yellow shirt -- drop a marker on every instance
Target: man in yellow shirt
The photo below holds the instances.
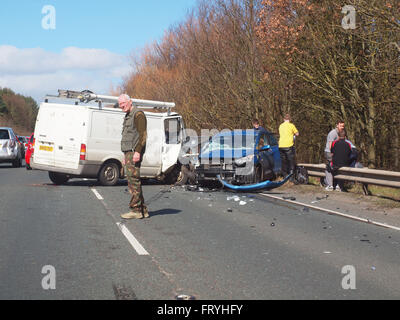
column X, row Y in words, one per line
column 287, row 133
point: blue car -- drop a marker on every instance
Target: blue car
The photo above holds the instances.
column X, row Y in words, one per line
column 239, row 157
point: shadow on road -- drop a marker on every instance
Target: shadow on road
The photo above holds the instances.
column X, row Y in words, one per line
column 164, row 212
column 120, row 183
column 10, row 167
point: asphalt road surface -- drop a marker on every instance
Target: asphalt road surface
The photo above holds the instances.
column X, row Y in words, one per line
column 201, row 244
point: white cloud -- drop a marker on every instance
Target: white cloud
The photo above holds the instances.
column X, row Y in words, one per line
column 37, row 72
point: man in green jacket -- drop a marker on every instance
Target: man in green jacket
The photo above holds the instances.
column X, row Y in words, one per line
column 133, row 144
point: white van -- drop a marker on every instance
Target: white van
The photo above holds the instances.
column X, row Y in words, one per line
column 84, row 140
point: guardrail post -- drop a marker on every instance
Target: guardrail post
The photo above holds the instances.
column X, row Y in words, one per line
column 365, row 189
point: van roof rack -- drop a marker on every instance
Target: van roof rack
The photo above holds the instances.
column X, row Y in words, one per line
column 87, row 96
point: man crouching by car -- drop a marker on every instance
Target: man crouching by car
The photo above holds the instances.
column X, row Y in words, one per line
column 133, row 144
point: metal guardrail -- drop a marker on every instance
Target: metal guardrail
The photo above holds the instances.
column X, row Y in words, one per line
column 365, row 176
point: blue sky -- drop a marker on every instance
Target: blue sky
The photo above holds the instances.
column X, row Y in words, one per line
column 101, row 34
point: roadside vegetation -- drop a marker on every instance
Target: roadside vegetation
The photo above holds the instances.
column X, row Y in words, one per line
column 17, row 111
column 231, row 61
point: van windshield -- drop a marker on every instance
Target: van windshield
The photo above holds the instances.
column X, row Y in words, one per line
column 4, row 135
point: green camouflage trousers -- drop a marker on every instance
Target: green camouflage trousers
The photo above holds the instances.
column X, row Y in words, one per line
column 132, row 171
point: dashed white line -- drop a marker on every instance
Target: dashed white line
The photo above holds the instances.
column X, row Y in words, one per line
column 98, row 195
column 132, row 240
column 125, row 231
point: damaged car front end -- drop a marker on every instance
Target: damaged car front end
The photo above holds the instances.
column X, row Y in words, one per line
column 239, row 157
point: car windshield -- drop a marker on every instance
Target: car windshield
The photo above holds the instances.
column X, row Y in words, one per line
column 233, row 142
column 4, row 135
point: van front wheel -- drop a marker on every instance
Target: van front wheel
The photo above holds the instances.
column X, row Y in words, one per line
column 58, row 178
column 109, row 174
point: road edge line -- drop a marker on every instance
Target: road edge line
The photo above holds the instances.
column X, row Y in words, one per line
column 348, row 216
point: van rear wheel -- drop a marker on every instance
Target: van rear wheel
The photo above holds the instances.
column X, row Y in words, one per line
column 109, row 174
column 58, row 178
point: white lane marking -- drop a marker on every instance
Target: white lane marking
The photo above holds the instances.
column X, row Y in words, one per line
column 132, row 240
column 125, row 231
column 336, row 213
column 98, row 195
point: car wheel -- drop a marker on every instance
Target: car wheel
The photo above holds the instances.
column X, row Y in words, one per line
column 182, row 178
column 172, row 176
column 109, row 174
column 58, row 178
column 185, row 176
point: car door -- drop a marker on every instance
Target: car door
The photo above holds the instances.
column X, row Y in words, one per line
column 152, row 162
column 172, row 142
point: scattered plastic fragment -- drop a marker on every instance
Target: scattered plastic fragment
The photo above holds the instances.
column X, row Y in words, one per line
column 327, row 252
column 373, row 268
column 242, row 203
column 272, row 224
column 235, row 198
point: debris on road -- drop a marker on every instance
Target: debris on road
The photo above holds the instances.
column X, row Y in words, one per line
column 318, row 199
column 254, row 187
column 192, row 188
column 289, row 198
column 185, row 297
column 242, row 203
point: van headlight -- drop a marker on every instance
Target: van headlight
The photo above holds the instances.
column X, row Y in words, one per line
column 242, row 161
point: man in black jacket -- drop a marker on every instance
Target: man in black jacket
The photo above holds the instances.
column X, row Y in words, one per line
column 341, row 157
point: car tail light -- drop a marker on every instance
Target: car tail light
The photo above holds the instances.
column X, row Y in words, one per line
column 83, row 152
